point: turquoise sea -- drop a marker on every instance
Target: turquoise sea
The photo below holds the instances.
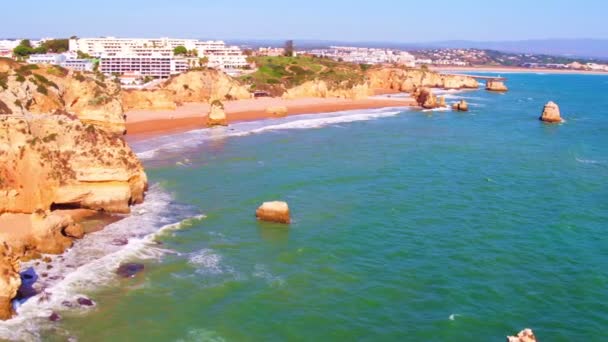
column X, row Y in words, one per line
column 408, row 226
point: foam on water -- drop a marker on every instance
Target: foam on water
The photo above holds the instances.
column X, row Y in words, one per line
column 149, row 148
column 92, row 262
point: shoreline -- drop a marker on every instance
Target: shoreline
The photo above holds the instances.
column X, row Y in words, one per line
column 144, row 124
column 443, row 69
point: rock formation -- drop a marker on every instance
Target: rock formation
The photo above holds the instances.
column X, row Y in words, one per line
column 320, row 88
column 217, row 116
column 161, row 99
column 192, row 86
column 274, row 212
column 39, row 89
column 461, row 106
column 56, row 160
column 525, row 335
column 494, row 85
column 10, row 280
column 50, row 162
column 426, row 99
column 551, row 113
column 408, row 80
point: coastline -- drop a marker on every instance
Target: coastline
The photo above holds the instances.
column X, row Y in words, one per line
column 142, row 124
column 515, row 70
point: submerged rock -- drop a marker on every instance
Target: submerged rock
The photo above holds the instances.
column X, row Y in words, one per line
column 85, row 301
column 461, row 106
column 54, row 317
column 274, row 212
column 129, row 270
column 551, row 113
column 525, row 335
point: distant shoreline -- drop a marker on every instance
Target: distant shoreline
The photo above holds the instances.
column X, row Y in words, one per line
column 517, row 70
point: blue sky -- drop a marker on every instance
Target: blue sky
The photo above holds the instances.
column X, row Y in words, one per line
column 378, row 20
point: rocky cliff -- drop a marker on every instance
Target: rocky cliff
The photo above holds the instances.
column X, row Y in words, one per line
column 192, row 86
column 408, row 80
column 38, row 89
column 319, row 88
column 493, row 85
column 56, row 161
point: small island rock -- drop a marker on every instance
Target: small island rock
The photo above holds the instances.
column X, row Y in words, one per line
column 525, row 335
column 494, row 85
column 551, row 113
column 426, row 99
column 274, row 212
column 461, row 106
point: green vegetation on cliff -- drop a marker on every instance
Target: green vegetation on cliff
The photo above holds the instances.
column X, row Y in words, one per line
column 275, row 74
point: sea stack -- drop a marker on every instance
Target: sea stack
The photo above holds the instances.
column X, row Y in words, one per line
column 551, row 113
column 525, row 335
column 461, row 106
column 426, row 99
column 495, row 85
column 217, row 115
column 274, row 212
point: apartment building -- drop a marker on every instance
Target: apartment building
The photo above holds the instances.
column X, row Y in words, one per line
column 219, row 55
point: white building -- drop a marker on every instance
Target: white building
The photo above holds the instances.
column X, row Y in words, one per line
column 219, row 55
column 78, row 64
column 158, row 64
column 49, row 58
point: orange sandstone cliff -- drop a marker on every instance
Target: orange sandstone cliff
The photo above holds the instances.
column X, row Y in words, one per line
column 61, row 147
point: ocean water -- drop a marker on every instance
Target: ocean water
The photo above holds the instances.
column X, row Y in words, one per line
column 408, row 226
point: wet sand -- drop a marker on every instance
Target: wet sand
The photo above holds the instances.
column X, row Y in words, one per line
column 142, row 124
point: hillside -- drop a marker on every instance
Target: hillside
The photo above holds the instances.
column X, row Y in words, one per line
column 277, row 74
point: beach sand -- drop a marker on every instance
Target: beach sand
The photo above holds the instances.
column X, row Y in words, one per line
column 146, row 123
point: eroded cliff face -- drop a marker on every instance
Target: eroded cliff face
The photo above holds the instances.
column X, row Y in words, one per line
column 192, row 86
column 407, row 80
column 51, row 160
column 319, row 88
column 38, row 89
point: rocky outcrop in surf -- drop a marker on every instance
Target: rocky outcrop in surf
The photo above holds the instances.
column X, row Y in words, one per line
column 50, row 89
column 192, row 86
column 461, row 106
column 274, row 212
column 426, row 99
column 525, row 335
column 408, row 80
column 10, row 280
column 495, row 85
column 551, row 113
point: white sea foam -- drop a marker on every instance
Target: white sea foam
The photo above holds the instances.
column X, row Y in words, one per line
column 150, row 148
column 261, row 271
column 588, row 161
column 92, row 262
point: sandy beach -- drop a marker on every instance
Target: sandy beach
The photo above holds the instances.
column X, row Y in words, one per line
column 504, row 69
column 146, row 123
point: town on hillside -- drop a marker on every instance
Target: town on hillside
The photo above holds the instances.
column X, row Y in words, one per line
column 138, row 62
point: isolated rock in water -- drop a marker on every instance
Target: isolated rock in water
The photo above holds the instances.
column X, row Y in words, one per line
column 277, row 110
column 217, row 115
column 461, row 106
column 129, row 270
column 493, row 85
column 426, row 99
column 525, row 335
column 551, row 113
column 85, row 301
column 274, row 212
column 442, row 101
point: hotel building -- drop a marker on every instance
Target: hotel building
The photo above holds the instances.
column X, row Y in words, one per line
column 154, row 57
